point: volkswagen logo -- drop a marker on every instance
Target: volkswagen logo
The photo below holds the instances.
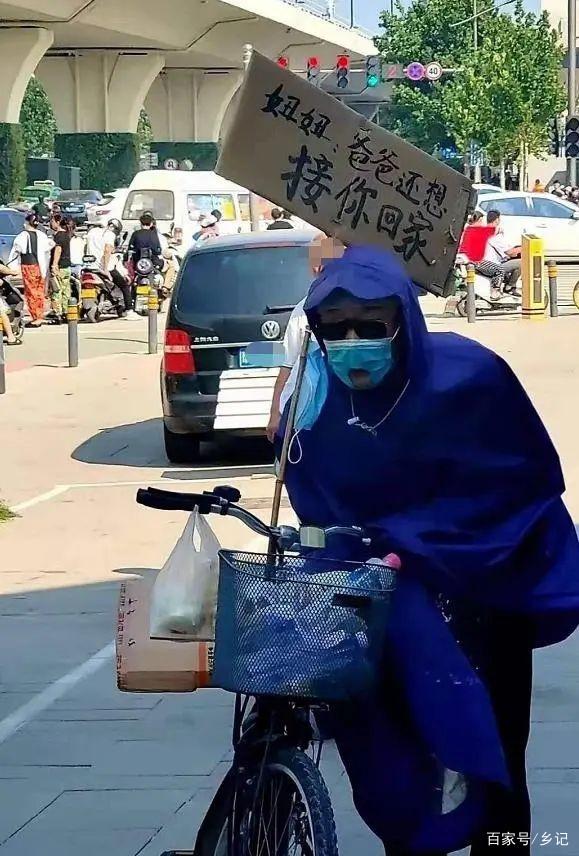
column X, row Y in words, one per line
column 270, row 329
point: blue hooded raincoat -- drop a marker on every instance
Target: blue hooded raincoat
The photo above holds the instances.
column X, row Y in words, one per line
column 463, row 482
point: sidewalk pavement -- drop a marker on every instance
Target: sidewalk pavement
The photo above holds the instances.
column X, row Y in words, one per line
column 92, row 770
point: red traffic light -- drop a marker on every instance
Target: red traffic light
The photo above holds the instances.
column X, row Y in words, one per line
column 283, row 61
column 314, row 62
column 343, row 62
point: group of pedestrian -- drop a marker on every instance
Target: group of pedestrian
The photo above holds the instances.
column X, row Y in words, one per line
column 280, row 220
column 569, row 193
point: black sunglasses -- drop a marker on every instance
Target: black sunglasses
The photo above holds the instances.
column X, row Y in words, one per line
column 336, row 330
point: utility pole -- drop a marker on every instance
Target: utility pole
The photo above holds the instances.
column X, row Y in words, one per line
column 475, row 24
column 571, row 91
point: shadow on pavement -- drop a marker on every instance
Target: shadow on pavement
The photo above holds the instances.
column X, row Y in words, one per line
column 140, row 444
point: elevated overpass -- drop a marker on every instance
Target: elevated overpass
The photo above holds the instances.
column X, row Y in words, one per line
column 101, row 61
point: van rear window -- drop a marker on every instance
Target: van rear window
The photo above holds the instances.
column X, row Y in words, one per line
column 243, row 281
column 205, row 203
column 161, row 204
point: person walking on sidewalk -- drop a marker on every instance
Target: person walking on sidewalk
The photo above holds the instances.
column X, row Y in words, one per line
column 31, row 250
column 60, row 266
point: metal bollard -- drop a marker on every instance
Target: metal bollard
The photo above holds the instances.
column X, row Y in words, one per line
column 552, row 274
column 72, row 329
column 2, row 365
column 470, row 295
column 153, row 314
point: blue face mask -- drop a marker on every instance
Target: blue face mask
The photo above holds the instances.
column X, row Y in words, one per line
column 373, row 356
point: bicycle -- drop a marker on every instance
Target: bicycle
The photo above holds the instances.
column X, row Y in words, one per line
column 274, row 801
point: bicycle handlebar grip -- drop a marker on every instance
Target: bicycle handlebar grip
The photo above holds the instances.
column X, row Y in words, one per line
column 167, row 500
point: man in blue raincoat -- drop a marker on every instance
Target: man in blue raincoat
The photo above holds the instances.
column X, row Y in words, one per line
column 429, row 442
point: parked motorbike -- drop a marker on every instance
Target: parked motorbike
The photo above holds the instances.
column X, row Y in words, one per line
column 99, row 294
column 147, row 276
column 15, row 303
column 509, row 302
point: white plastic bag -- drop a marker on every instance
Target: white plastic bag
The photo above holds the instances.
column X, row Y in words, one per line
column 184, row 596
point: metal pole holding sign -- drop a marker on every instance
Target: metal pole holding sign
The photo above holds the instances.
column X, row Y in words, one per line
column 72, row 330
column 571, row 79
column 152, row 319
column 288, row 434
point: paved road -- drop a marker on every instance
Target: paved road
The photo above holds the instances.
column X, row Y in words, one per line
column 85, row 769
column 47, row 346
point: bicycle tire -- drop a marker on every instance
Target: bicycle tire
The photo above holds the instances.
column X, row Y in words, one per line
column 299, row 769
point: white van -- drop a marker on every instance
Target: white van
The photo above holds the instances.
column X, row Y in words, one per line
column 178, row 198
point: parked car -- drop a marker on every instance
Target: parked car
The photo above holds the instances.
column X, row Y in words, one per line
column 111, row 205
column 74, row 203
column 541, row 214
column 229, row 309
column 11, row 224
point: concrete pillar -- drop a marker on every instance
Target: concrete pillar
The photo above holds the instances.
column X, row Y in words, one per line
column 20, row 52
column 97, row 97
column 186, row 109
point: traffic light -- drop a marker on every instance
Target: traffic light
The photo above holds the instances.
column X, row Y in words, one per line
column 343, row 71
column 572, row 137
column 283, row 61
column 554, row 141
column 373, row 71
column 313, row 69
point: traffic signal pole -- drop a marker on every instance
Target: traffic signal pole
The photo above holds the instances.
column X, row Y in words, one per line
column 571, row 91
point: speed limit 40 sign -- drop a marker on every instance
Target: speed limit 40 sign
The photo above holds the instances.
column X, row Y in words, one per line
column 433, row 71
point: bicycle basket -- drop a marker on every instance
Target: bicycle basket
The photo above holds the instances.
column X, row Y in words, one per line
column 299, row 626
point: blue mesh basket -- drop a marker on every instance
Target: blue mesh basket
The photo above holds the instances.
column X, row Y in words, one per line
column 300, row 626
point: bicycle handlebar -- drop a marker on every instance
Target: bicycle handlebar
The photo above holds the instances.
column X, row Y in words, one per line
column 221, row 501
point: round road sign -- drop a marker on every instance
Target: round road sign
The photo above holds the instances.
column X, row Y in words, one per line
column 433, row 71
column 415, row 71
column 171, row 163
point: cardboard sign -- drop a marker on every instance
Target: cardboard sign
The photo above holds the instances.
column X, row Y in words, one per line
column 155, row 665
column 294, row 144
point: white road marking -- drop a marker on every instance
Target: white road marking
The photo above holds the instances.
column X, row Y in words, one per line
column 23, row 715
column 59, row 489
column 42, row 497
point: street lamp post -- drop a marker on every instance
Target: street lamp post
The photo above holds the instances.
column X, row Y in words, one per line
column 571, row 91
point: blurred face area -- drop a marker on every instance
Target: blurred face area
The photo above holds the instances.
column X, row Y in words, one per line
column 360, row 338
column 322, row 250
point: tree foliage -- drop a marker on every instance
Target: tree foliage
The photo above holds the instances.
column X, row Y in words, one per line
column 37, row 120
column 144, row 131
column 502, row 95
column 423, row 32
column 508, row 91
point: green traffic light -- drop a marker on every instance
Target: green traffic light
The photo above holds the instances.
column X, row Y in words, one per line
column 373, row 80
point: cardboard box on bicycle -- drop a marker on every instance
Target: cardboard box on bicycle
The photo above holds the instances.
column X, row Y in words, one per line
column 155, row 665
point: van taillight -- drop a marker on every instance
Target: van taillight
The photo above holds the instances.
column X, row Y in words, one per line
column 178, row 355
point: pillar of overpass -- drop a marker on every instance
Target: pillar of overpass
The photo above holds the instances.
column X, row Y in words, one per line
column 97, row 97
column 20, row 52
column 186, row 109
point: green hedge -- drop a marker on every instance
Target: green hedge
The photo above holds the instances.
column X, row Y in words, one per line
column 106, row 161
column 12, row 162
column 202, row 155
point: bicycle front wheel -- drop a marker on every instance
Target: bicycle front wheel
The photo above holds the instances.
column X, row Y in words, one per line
column 282, row 809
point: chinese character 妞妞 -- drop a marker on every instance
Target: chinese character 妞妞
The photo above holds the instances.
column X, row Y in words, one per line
column 274, row 100
column 313, row 174
column 389, row 220
column 407, row 185
column 360, row 155
column 320, row 127
column 435, row 196
column 414, row 240
column 386, row 164
column 355, row 206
